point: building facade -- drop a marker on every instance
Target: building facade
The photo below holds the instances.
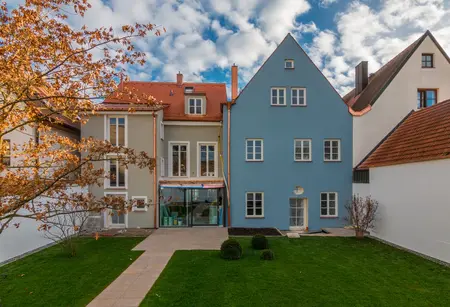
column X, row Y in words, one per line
column 290, row 146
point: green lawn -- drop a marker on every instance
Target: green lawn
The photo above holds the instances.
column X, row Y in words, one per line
column 49, row 278
column 307, row 272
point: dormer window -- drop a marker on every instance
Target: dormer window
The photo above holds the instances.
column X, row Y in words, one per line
column 289, row 64
column 189, row 89
column 195, row 106
column 427, row 60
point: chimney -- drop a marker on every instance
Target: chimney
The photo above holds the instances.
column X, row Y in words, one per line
column 234, row 81
column 179, row 79
column 361, row 77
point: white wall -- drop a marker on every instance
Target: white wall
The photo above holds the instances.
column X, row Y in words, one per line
column 414, row 207
column 361, row 189
column 399, row 98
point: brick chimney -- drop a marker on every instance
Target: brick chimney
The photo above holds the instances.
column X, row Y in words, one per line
column 234, row 81
column 361, row 77
column 179, row 79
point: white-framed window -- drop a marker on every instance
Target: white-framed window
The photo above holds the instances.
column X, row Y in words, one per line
column 298, row 97
column 278, row 96
column 6, row 157
column 117, row 173
column 179, row 159
column 302, row 150
column 329, row 204
column 332, row 150
column 195, row 106
column 139, row 203
column 254, row 149
column 114, row 219
column 161, row 130
column 289, row 64
column 163, row 167
column 117, row 130
column 254, row 204
column 207, row 163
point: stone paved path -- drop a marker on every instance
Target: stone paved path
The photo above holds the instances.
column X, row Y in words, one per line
column 130, row 288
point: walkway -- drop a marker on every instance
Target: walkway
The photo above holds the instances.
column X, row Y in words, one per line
column 130, row 288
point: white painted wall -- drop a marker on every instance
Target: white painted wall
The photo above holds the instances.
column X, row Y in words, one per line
column 361, row 189
column 399, row 98
column 414, row 210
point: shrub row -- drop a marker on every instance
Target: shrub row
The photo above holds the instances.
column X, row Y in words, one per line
column 231, row 249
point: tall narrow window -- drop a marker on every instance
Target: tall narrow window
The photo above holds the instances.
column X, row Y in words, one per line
column 297, row 212
column 427, row 60
column 6, row 156
column 298, row 97
column 179, row 165
column 426, row 98
column 332, row 150
column 254, row 204
column 195, row 106
column 117, row 178
column 302, row 150
column 278, row 96
column 207, row 160
column 117, row 131
column 328, row 204
column 117, row 219
column 254, row 150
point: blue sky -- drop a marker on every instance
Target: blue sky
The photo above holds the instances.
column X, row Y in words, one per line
column 205, row 37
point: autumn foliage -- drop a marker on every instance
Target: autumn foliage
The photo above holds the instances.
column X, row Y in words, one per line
column 51, row 74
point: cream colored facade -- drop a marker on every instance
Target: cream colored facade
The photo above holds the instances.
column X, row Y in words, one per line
column 399, row 98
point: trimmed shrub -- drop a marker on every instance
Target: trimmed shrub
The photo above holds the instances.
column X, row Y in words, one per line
column 267, row 254
column 231, row 249
column 260, row 242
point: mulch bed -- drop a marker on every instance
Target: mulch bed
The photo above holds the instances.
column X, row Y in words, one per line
column 253, row 231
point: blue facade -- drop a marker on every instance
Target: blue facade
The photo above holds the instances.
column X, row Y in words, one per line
column 325, row 117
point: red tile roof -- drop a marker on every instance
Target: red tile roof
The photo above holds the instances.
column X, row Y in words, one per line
column 380, row 80
column 172, row 95
column 422, row 136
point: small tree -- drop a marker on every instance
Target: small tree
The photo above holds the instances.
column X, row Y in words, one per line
column 362, row 213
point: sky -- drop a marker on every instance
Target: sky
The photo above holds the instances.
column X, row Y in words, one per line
column 205, row 37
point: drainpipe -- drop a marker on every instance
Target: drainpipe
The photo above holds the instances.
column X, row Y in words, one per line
column 228, row 162
column 154, row 173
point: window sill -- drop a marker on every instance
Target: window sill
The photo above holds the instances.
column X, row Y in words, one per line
column 278, row 105
column 289, row 68
column 332, row 161
column 254, row 217
column 302, row 160
column 139, row 209
column 299, row 105
column 428, row 67
column 116, row 188
column 329, row 217
column 254, row 160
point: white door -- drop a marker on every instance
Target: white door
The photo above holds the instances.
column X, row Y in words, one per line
column 298, row 213
column 113, row 219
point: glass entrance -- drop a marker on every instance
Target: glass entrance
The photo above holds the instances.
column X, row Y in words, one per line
column 204, row 204
column 297, row 213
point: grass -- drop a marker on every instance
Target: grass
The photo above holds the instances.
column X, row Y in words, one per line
column 306, row 272
column 50, row 278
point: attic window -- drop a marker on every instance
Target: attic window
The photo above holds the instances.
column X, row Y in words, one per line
column 289, row 64
column 427, row 60
column 189, row 89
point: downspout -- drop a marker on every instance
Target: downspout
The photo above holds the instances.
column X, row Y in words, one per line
column 228, row 163
column 154, row 174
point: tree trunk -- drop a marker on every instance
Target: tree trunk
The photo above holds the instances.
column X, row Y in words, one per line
column 359, row 234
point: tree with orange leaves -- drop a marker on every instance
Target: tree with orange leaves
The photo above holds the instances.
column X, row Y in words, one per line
column 50, row 73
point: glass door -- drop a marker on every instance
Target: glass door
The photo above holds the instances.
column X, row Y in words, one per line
column 297, row 220
column 204, row 206
column 173, row 208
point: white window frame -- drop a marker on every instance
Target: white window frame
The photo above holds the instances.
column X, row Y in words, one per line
column 188, row 157
column 108, row 218
column 302, row 146
column 298, row 89
column 253, row 151
column 254, row 205
column 331, row 150
column 277, row 96
column 107, row 130
column 161, row 130
column 107, row 182
column 216, row 164
column 202, row 109
column 289, row 61
column 162, row 167
column 328, row 204
column 135, row 208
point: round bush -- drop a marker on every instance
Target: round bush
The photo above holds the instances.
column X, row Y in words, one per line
column 260, row 242
column 267, row 254
column 231, row 249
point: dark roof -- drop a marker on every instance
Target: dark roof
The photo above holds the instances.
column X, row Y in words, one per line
column 171, row 96
column 380, row 80
column 422, row 136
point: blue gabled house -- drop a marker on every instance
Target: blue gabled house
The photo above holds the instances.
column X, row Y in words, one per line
column 289, row 159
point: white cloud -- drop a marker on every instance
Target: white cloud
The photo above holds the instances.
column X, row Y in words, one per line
column 326, row 3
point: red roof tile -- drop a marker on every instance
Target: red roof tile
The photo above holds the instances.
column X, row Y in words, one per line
column 172, row 95
column 423, row 136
